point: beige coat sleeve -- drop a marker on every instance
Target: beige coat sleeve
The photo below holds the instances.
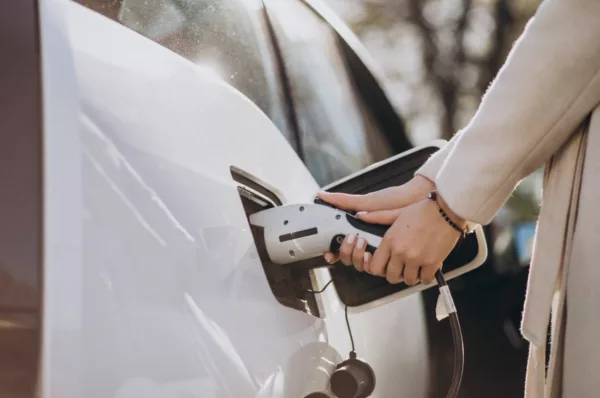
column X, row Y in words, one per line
column 434, row 164
column 548, row 85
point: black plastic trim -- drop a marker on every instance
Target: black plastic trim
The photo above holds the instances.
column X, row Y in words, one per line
column 374, row 229
column 299, row 234
column 248, row 182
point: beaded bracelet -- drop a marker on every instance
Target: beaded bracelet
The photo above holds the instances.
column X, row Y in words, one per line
column 433, row 196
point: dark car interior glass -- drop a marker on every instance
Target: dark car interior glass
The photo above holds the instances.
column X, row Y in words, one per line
column 339, row 134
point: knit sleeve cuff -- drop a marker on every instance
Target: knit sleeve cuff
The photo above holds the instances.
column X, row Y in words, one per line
column 432, row 167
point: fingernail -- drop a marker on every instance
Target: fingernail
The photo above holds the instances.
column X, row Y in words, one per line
column 323, row 193
column 361, row 213
column 360, row 243
column 350, row 238
column 366, row 258
column 328, row 258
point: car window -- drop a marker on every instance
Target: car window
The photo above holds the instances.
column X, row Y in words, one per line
column 227, row 37
column 338, row 135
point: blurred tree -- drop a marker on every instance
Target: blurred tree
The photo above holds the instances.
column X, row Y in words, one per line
column 438, row 55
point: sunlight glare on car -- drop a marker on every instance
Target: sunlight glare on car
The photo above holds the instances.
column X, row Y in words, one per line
column 210, row 69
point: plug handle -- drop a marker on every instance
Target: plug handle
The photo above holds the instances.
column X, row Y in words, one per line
column 337, row 241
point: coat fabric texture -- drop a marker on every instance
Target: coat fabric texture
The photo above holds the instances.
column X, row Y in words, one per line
column 543, row 109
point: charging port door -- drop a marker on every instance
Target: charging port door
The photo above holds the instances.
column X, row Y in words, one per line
column 363, row 290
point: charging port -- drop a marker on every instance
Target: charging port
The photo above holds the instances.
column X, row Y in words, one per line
column 291, row 287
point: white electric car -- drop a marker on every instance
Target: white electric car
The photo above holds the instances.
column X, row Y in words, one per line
column 136, row 138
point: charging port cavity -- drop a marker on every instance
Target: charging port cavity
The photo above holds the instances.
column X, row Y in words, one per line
column 292, row 287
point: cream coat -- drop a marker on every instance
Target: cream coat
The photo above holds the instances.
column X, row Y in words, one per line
column 543, row 109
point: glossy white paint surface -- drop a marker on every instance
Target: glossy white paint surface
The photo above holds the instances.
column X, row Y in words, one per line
column 153, row 287
column 62, row 346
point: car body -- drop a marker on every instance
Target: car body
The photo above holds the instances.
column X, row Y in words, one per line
column 129, row 266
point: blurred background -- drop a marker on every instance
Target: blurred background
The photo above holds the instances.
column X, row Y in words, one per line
column 438, row 56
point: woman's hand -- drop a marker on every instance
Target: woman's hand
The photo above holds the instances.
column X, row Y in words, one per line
column 394, row 198
column 416, row 244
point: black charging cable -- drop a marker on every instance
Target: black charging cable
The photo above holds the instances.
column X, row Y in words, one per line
column 459, row 349
column 457, row 338
column 345, row 311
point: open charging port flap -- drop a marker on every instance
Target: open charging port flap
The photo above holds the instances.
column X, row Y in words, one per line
column 291, row 286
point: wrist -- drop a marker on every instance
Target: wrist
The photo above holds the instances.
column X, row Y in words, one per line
column 458, row 220
column 421, row 185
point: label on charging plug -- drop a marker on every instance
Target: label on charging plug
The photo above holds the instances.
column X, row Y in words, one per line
column 445, row 305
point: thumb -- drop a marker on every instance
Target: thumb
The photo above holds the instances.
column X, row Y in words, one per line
column 383, row 217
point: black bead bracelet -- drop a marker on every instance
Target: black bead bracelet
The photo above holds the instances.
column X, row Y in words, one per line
column 433, row 197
